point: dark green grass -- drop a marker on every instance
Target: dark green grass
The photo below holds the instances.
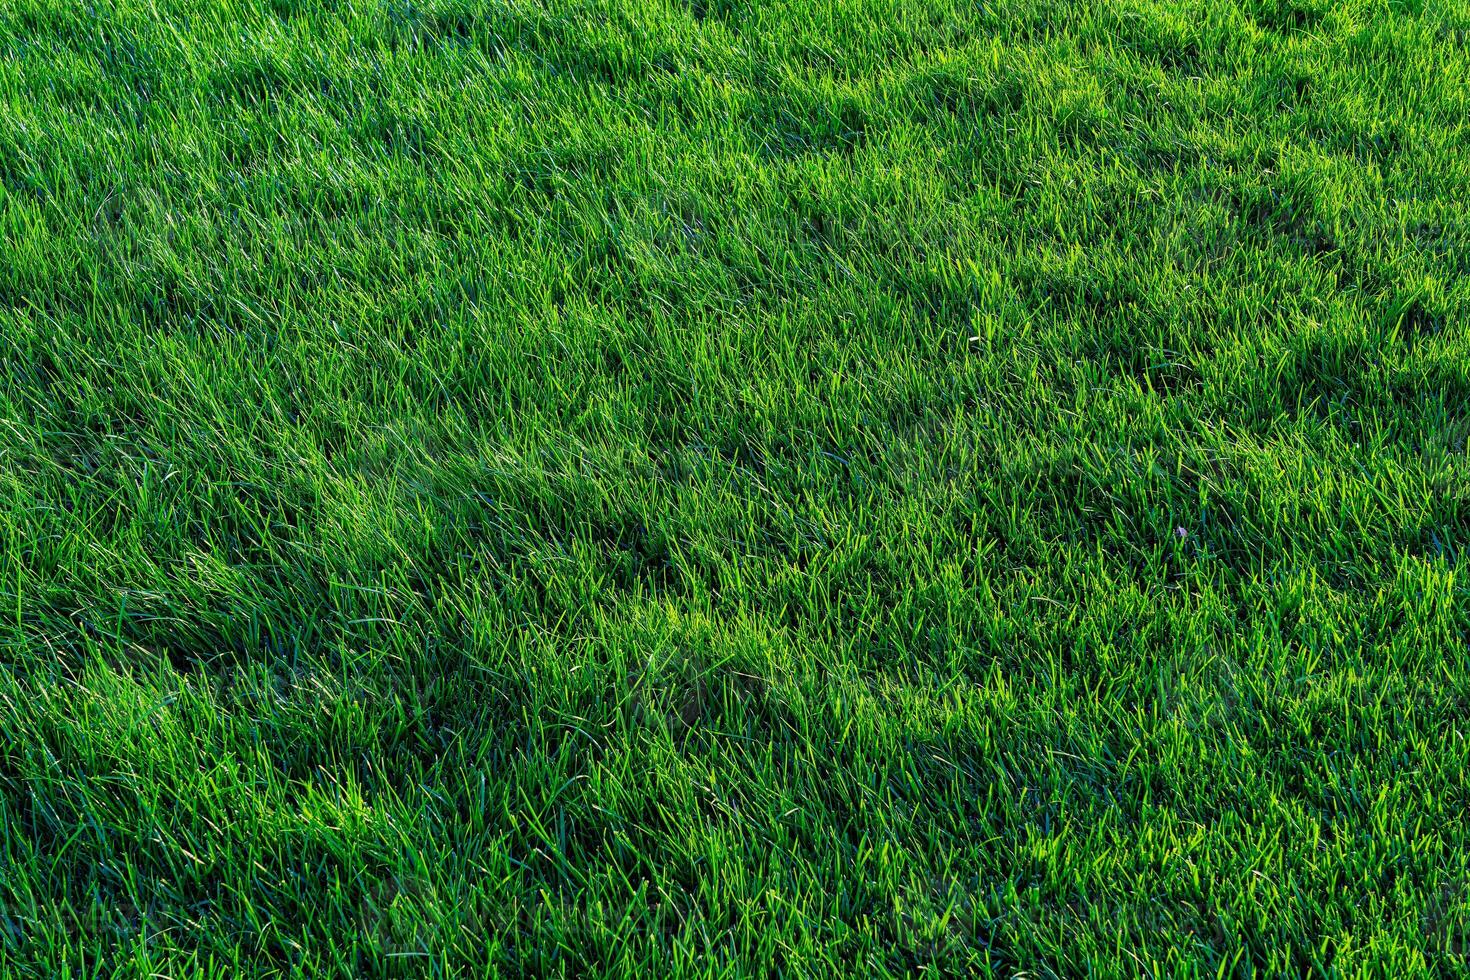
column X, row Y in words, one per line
column 596, row 487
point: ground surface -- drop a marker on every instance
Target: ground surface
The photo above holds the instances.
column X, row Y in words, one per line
column 609, row 486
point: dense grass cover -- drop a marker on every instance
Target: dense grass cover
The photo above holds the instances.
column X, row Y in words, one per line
column 842, row 487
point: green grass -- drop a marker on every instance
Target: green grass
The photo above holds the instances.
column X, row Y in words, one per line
column 734, row 487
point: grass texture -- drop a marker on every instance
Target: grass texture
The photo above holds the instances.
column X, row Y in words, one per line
column 734, row 488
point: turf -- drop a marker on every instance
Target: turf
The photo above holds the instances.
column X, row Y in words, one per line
column 734, row 487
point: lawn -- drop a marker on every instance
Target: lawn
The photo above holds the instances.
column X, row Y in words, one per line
column 716, row 488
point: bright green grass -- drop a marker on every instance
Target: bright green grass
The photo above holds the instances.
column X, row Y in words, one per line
column 837, row 487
